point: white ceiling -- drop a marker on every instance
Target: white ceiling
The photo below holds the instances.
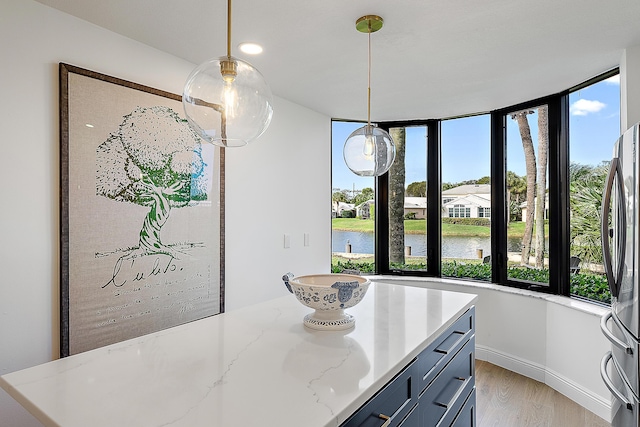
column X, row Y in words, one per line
column 431, row 59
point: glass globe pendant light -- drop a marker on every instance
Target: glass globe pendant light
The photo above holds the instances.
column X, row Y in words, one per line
column 226, row 100
column 369, row 150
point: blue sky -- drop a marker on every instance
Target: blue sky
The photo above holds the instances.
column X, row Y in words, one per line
column 594, row 127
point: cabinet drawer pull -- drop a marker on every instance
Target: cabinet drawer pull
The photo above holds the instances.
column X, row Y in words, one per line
column 452, row 342
column 462, row 384
column 386, row 418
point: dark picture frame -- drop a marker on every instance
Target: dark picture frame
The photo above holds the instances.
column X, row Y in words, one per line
column 141, row 213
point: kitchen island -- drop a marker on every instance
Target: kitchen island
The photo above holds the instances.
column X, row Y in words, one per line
column 249, row 367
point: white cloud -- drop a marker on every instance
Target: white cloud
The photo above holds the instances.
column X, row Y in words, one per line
column 582, row 107
column 615, row 80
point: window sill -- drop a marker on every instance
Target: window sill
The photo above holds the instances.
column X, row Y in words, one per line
column 569, row 302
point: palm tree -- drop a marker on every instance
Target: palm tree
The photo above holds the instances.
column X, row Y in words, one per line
column 530, row 162
column 396, row 198
column 516, row 191
column 586, row 183
column 543, row 143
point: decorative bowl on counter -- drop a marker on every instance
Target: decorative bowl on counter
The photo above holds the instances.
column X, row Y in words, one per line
column 329, row 295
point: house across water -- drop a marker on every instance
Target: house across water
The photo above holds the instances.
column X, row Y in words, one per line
column 464, row 201
column 467, row 201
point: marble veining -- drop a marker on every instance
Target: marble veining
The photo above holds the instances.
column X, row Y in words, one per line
column 254, row 366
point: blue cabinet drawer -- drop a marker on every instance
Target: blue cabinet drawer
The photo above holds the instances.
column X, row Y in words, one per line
column 467, row 415
column 435, row 389
column 395, row 400
column 411, row 420
column 441, row 402
column 431, row 361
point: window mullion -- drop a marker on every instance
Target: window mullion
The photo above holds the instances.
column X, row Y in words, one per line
column 559, row 222
column 499, row 206
column 434, row 193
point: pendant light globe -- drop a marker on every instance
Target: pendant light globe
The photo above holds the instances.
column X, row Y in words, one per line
column 227, row 102
column 369, row 151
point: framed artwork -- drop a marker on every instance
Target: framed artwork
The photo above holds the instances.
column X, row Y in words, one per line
column 141, row 213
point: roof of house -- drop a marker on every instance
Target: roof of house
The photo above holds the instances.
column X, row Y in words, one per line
column 415, row 202
column 342, row 206
column 468, row 189
column 471, row 199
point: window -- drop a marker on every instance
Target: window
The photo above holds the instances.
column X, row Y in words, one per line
column 511, row 191
column 459, row 211
column 407, row 200
column 352, row 207
column 466, row 190
column 527, row 167
column 595, row 125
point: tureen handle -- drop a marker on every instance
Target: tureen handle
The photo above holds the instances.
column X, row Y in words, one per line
column 287, row 277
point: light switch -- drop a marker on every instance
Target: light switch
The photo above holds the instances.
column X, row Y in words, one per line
column 287, row 241
column 306, row 239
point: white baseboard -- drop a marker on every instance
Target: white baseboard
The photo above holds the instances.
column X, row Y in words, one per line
column 592, row 402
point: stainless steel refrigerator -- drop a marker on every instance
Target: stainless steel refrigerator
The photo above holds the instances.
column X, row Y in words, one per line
column 620, row 232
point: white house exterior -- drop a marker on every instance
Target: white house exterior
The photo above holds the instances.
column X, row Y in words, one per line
column 338, row 207
column 523, row 207
column 464, row 201
column 416, row 205
column 467, row 201
column 471, row 206
column 363, row 210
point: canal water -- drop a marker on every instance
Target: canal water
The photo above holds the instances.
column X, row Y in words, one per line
column 452, row 246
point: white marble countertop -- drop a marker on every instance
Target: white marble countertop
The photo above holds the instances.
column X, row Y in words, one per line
column 254, row 366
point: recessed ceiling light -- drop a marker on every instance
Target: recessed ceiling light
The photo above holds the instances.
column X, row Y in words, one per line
column 89, row 125
column 250, row 48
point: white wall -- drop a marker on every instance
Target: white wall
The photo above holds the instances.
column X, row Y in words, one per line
column 278, row 186
column 629, row 88
column 553, row 339
column 267, row 183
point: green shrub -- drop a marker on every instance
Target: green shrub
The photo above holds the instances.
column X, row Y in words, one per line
column 412, row 266
column 363, row 267
column 591, row 286
column 528, row 274
column 348, row 214
column 410, row 215
column 484, row 222
column 480, row 271
column 586, row 285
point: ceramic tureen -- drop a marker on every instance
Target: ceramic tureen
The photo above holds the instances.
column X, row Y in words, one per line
column 329, row 295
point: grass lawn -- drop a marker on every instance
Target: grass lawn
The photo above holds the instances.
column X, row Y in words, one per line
column 417, row 226
column 352, row 224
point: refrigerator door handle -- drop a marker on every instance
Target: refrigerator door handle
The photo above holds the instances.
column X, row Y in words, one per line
column 614, row 281
column 626, row 346
column 607, row 381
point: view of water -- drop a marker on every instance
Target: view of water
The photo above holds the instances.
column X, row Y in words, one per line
column 452, row 247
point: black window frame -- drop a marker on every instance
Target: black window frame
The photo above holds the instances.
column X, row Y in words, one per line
column 558, row 110
column 558, row 169
column 559, row 207
column 433, row 236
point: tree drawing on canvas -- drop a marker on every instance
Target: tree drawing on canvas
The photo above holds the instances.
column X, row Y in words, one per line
column 142, row 213
column 154, row 160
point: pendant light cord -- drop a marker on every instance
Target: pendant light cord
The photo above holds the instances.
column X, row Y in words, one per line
column 228, row 28
column 369, row 82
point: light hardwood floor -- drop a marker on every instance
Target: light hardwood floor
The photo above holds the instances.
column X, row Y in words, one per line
column 507, row 399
